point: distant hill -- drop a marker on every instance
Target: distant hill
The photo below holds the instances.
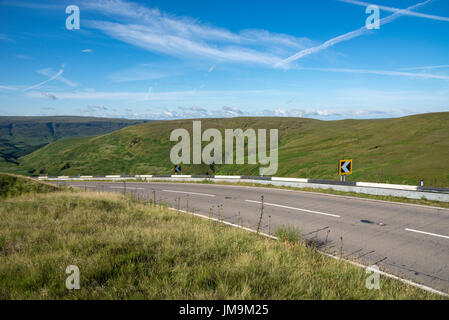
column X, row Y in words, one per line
column 22, row 135
column 401, row 150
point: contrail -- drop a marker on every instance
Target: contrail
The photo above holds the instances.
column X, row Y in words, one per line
column 383, row 72
column 427, row 67
column 405, row 12
column 346, row 36
column 44, row 82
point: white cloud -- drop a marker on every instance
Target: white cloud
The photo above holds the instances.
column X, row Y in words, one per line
column 9, row 88
column 142, row 72
column 185, row 37
column 231, row 111
column 49, row 95
column 331, row 114
column 86, row 50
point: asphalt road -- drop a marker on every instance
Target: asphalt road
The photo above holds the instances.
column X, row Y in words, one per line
column 407, row 240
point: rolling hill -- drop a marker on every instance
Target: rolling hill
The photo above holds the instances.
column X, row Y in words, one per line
column 22, row 135
column 400, row 150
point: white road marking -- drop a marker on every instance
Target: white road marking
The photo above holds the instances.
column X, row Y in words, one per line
column 389, row 275
column 196, row 193
column 293, row 208
column 127, row 188
column 428, row 233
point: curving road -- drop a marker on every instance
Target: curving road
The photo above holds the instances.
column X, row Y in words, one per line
column 410, row 241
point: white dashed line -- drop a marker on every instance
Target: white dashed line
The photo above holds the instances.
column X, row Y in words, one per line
column 195, row 193
column 127, row 188
column 428, row 233
column 293, row 208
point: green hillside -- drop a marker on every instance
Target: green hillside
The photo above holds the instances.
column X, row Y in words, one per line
column 401, row 150
column 22, row 135
column 12, row 185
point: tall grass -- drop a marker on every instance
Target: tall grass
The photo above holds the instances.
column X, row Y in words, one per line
column 130, row 250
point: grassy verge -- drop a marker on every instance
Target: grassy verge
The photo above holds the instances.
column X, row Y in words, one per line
column 129, row 250
column 13, row 185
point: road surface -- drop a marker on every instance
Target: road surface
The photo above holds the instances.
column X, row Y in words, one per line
column 410, row 241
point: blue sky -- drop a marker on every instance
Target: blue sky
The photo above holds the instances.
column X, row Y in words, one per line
column 188, row 59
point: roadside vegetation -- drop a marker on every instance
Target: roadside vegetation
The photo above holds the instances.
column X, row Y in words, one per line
column 13, row 185
column 127, row 249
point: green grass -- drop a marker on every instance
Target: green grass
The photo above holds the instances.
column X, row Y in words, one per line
column 130, row 250
column 402, row 150
column 13, row 185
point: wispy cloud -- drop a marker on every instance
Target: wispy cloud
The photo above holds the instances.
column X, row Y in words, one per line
column 427, row 67
column 49, row 95
column 35, row 4
column 9, row 88
column 142, row 72
column 147, row 38
column 224, row 112
column 4, row 37
column 97, row 107
column 194, row 112
column 86, row 50
column 232, row 111
column 184, row 37
column 382, row 72
column 404, row 12
column 345, row 37
column 329, row 113
column 120, row 95
column 23, row 57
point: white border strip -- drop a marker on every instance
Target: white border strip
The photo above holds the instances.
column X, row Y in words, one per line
column 387, row 186
column 227, row 177
column 290, row 179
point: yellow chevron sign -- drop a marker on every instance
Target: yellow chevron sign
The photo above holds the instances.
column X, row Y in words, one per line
column 345, row 167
